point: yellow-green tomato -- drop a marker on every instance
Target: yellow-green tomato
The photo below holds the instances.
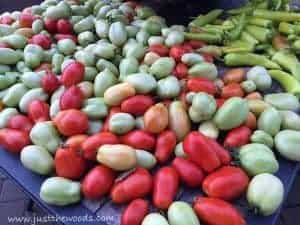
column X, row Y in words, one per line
column 287, row 143
column 182, row 213
column 155, row 219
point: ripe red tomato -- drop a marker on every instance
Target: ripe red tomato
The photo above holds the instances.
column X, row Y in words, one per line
column 20, row 122
column 73, row 74
column 227, row 183
column 137, row 105
column 44, row 66
column 215, row 211
column 69, row 163
column 58, row 37
column 198, row 84
column 139, row 139
column 135, row 212
column 165, row 145
column 72, row 98
column 98, row 182
column 50, row 25
column 221, row 152
column 50, row 82
column 76, row 141
column 138, row 184
column 159, row 49
column 189, row 173
column 71, row 122
column 6, row 20
column 92, row 143
column 13, row 140
column 42, row 40
column 177, row 51
column 232, row 90
column 237, row 137
column 165, row 187
column 64, row 26
column 26, row 20
column 38, row 111
column 181, row 71
column 196, row 44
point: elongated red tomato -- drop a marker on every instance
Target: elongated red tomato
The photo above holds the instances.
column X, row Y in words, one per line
column 38, row 111
column 135, row 212
column 139, row 139
column 64, row 26
column 72, row 98
column 165, row 187
column 177, row 51
column 137, row 105
column 69, row 163
column 92, row 143
column 220, row 102
column 50, row 82
column 112, row 111
column 237, row 137
column 26, row 20
column 165, row 145
column 71, row 122
column 199, row 84
column 196, row 146
column 196, row 44
column 159, row 49
column 13, row 140
column 98, row 182
column 227, row 183
column 76, row 141
column 65, row 36
column 42, row 40
column 221, row 152
column 73, row 74
column 20, row 122
column 213, row 211
column 50, row 25
column 189, row 173
column 181, row 71
column 137, row 185
column 232, row 90
column 44, row 67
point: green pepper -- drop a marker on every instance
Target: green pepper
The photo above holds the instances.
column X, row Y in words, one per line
column 278, row 16
column 207, row 37
column 260, row 33
column 207, row 19
column 260, row 22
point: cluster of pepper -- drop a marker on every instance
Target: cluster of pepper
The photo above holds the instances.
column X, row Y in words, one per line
column 260, row 33
column 107, row 100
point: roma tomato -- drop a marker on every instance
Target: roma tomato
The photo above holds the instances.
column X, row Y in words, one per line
column 42, row 40
column 72, row 98
column 237, row 137
column 44, row 66
column 6, row 20
column 208, row 58
column 199, row 84
column 73, row 74
column 139, row 139
column 226, row 183
column 220, row 102
column 181, row 71
column 135, row 212
column 76, row 141
column 50, row 83
column 215, row 211
column 64, row 26
column 50, row 25
column 71, row 122
column 177, row 51
column 26, row 20
column 251, row 121
column 69, row 163
column 13, row 140
column 189, row 173
column 58, row 37
column 113, row 110
column 232, row 90
column 221, row 152
column 165, row 145
column 138, row 184
column 196, row 44
column 137, row 105
column 20, row 122
column 92, row 143
column 38, row 111
column 165, row 187
column 196, row 146
column 159, row 49
column 98, row 182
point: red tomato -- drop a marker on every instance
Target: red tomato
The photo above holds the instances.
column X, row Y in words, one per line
column 4, row 45
column 13, row 140
column 138, row 184
column 50, row 83
column 50, row 25
column 6, row 20
column 213, row 211
column 221, row 152
column 237, row 137
column 232, row 90
column 220, row 102
column 98, row 182
column 187, row 47
column 26, row 20
column 137, row 105
column 196, row 44
column 38, row 111
column 227, row 183
column 58, row 37
column 42, row 40
column 69, row 163
column 139, row 139
column 135, row 212
column 92, row 143
column 165, row 187
column 159, row 49
column 64, row 26
column 208, row 58
column 20, row 122
column 196, row 146
column 176, row 52
column 165, row 145
column 181, row 71
column 44, row 66
column 73, row 74
column 189, row 173
column 199, row 84
column 72, row 98
column 251, row 121
column 71, row 122
column 113, row 110
column 76, row 141
column 182, row 98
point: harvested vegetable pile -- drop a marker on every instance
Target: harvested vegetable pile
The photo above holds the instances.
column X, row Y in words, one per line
column 106, row 99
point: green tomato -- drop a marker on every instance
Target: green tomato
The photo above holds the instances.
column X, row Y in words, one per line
column 287, row 143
